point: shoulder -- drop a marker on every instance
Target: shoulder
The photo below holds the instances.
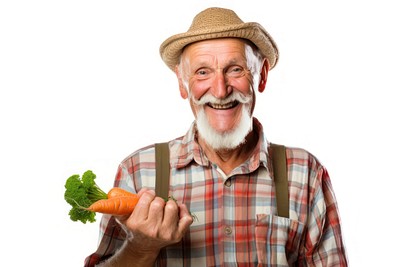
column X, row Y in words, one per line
column 140, row 155
column 303, row 165
column 146, row 155
column 300, row 156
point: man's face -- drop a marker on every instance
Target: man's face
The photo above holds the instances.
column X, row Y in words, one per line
column 220, row 89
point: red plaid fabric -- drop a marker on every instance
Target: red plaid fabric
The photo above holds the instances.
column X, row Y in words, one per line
column 237, row 223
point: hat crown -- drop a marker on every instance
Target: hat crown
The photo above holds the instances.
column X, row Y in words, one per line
column 214, row 23
column 214, row 17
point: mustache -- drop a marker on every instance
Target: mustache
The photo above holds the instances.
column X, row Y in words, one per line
column 210, row 99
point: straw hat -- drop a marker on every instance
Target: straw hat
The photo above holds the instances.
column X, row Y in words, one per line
column 215, row 23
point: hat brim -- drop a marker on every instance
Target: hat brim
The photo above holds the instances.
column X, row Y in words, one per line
column 171, row 49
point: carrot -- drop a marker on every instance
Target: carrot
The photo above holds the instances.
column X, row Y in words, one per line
column 119, row 192
column 116, row 206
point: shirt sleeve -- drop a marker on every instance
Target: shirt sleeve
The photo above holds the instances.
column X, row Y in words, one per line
column 323, row 245
column 111, row 238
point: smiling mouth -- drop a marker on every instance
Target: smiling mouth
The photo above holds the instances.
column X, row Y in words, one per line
column 223, row 106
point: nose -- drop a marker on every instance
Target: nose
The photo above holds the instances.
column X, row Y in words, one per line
column 220, row 88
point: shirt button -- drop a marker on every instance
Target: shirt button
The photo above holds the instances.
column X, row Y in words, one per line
column 228, row 230
column 228, row 183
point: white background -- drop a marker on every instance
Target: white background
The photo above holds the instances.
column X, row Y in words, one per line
column 82, row 86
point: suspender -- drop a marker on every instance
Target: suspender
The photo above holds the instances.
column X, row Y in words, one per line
column 162, row 170
column 279, row 165
column 279, row 168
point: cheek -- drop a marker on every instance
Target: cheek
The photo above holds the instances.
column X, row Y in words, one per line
column 243, row 86
column 197, row 89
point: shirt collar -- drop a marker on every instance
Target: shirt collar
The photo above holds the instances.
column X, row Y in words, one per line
column 189, row 150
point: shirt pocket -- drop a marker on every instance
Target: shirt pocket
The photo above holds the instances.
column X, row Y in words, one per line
column 277, row 240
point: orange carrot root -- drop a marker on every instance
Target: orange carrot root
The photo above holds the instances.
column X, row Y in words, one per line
column 119, row 192
column 116, row 206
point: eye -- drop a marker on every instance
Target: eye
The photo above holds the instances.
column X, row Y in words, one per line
column 235, row 71
column 203, row 73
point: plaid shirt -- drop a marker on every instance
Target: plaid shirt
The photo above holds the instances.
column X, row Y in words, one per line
column 237, row 223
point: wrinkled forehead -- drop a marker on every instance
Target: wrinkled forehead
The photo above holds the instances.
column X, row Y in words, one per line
column 215, row 52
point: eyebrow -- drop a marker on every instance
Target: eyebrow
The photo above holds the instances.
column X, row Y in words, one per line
column 206, row 63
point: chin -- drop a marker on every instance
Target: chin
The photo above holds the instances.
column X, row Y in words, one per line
column 228, row 139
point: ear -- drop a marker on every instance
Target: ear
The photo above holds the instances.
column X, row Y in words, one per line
column 263, row 76
column 182, row 88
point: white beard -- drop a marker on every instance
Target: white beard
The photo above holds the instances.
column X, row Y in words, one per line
column 225, row 140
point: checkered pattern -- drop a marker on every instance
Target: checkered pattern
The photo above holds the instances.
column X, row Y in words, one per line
column 237, row 223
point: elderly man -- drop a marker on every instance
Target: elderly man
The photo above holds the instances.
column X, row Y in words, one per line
column 224, row 207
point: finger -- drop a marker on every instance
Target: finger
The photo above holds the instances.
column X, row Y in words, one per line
column 185, row 219
column 143, row 190
column 141, row 210
column 156, row 210
column 171, row 213
column 123, row 218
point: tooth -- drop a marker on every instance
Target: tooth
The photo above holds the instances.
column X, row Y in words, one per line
column 222, row 106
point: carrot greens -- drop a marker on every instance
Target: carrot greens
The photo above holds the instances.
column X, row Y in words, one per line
column 80, row 193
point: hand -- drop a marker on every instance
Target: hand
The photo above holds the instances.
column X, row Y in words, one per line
column 155, row 223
